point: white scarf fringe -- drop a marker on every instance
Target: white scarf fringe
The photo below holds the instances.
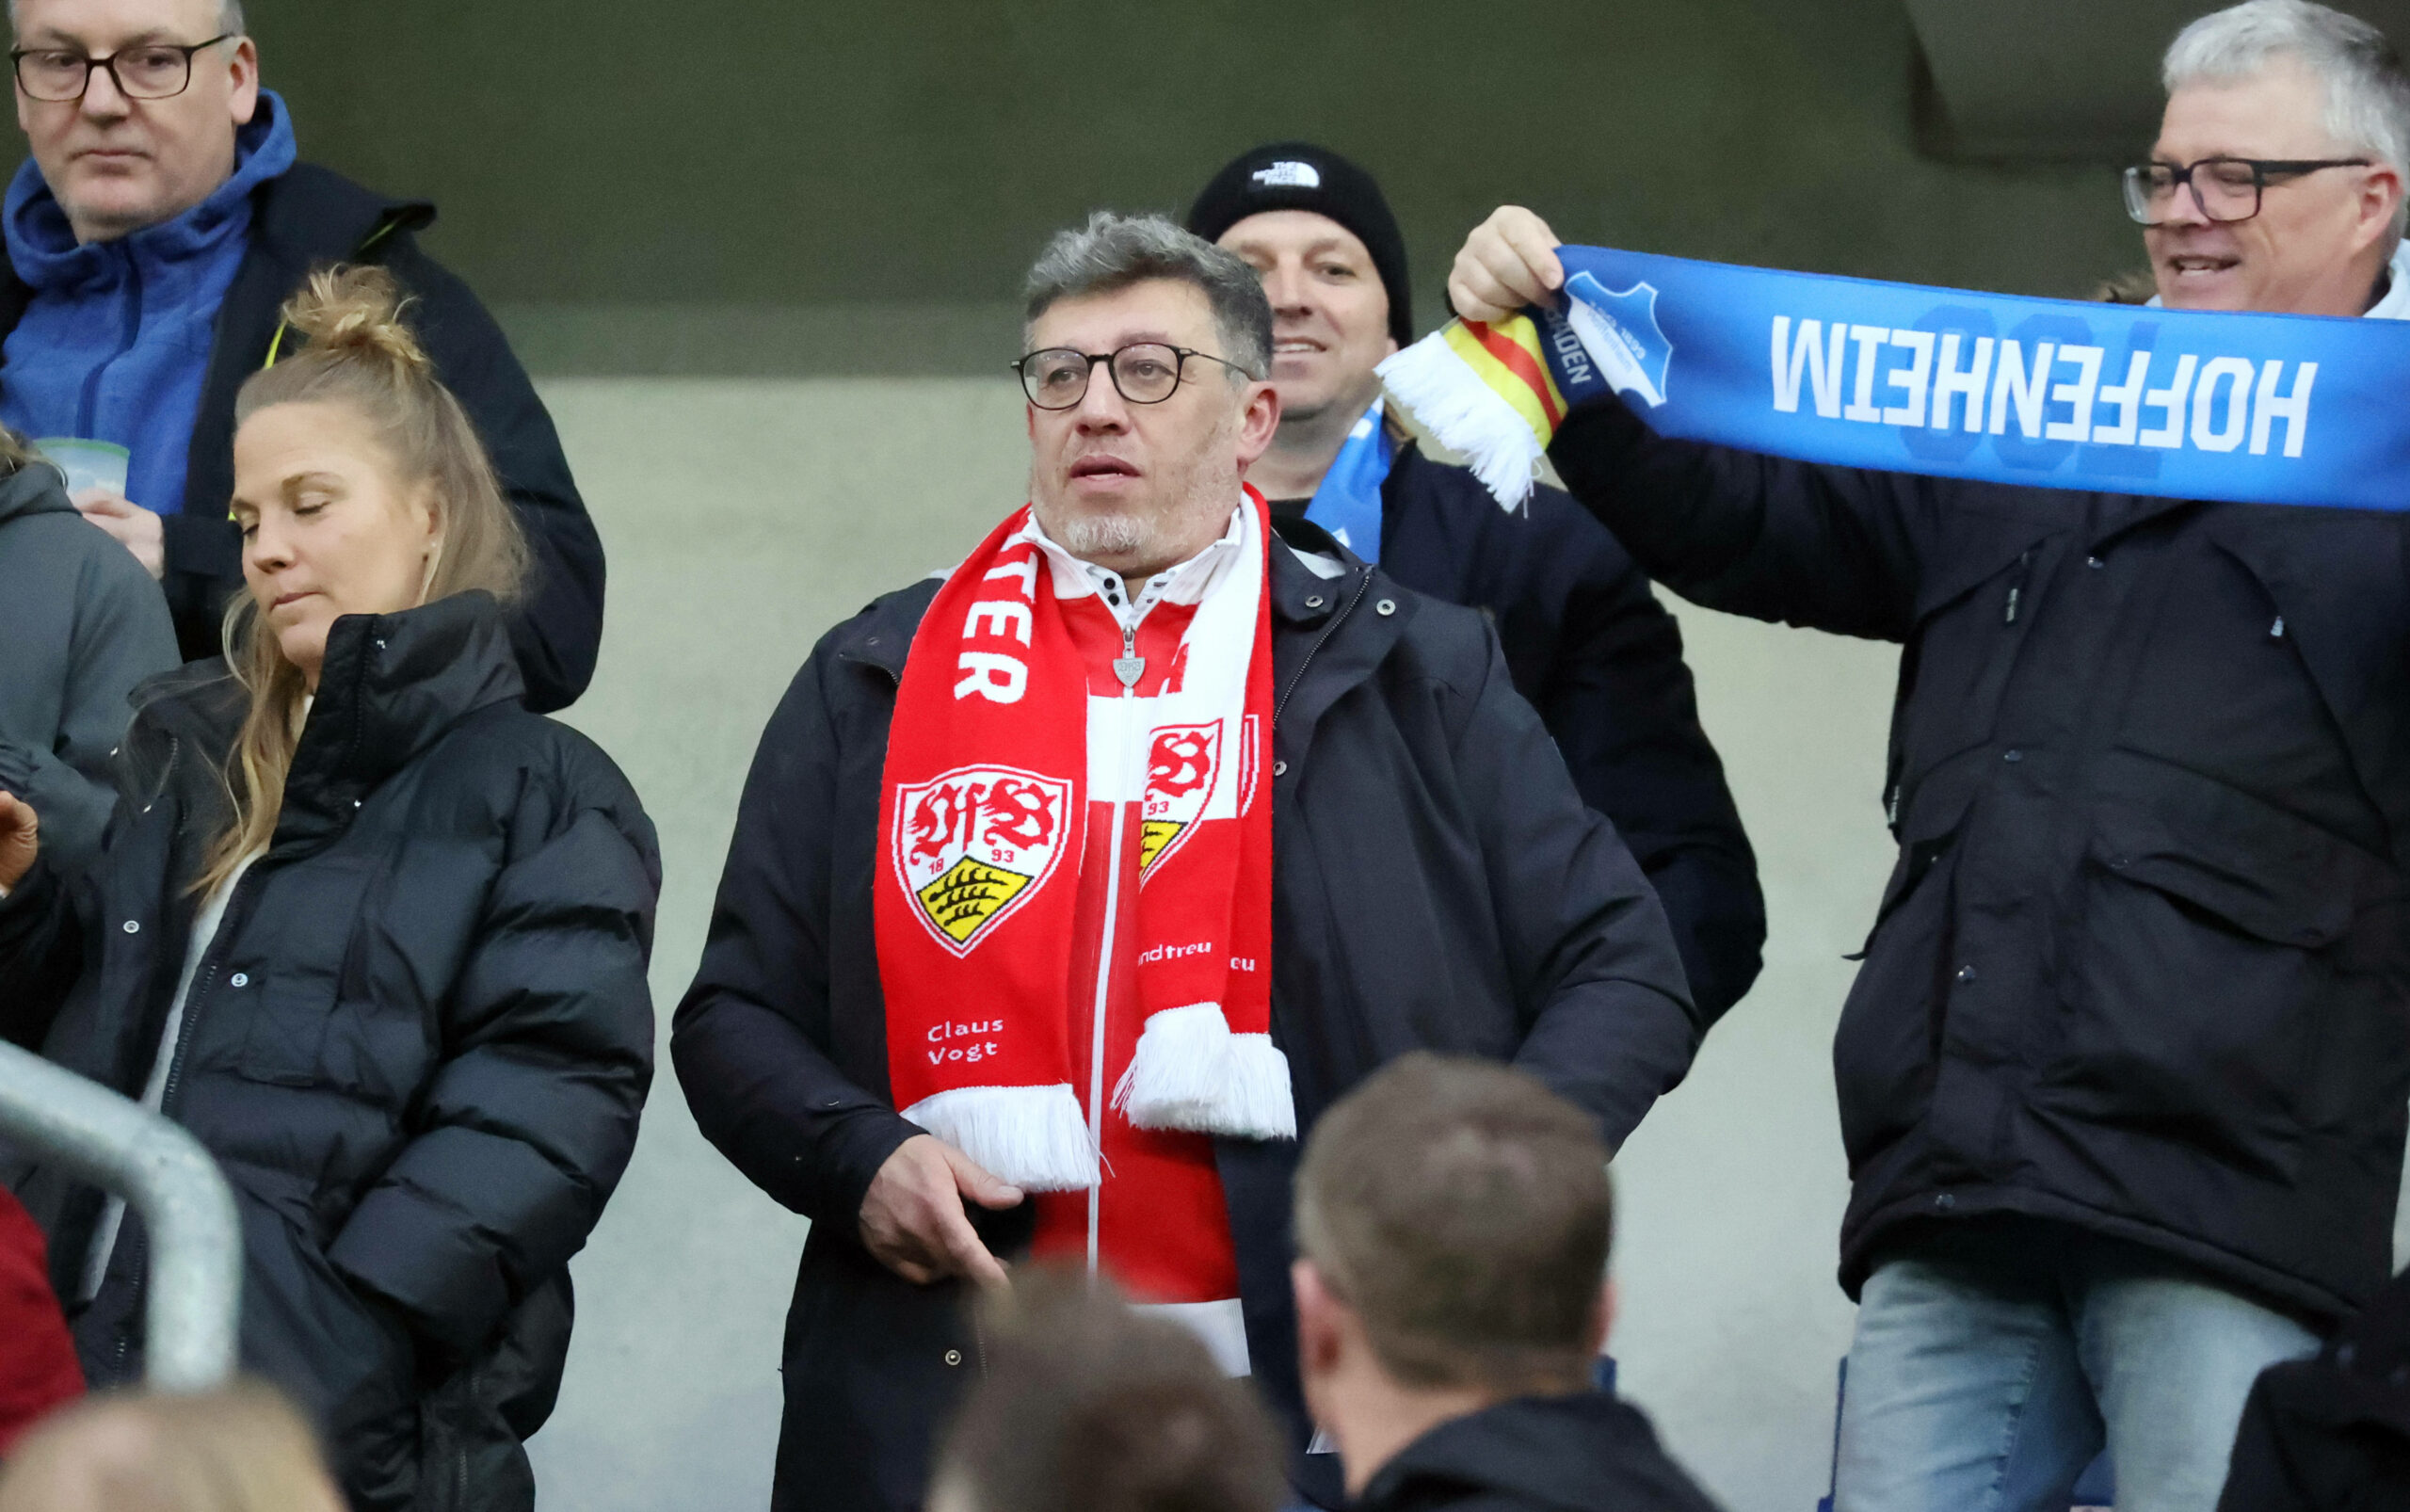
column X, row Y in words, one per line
column 1465, row 415
column 1190, row 1073
column 1034, row 1137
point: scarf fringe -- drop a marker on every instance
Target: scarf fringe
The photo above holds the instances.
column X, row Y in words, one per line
column 1190, row 1073
column 1034, row 1137
column 1259, row 1097
column 1465, row 415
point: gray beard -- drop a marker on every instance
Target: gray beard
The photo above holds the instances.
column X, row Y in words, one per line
column 1089, row 536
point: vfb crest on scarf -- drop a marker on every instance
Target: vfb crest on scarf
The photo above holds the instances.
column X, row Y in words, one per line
column 1182, row 760
column 974, row 843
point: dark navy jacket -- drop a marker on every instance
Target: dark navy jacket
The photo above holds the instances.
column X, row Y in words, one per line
column 1601, row 660
column 1583, row 1453
column 309, row 216
column 1437, row 884
column 2143, row 966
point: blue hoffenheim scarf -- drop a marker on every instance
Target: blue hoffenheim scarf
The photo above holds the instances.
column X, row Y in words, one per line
column 1348, row 503
column 2253, row 408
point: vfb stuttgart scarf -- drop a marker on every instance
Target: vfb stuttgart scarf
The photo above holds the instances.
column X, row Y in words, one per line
column 998, row 755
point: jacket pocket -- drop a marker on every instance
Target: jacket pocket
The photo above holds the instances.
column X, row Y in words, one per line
column 284, row 974
column 351, row 1364
column 468, row 1458
column 1884, row 1049
column 2197, row 1010
column 285, row 1033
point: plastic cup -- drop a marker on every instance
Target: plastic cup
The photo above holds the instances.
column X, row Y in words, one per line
column 90, row 465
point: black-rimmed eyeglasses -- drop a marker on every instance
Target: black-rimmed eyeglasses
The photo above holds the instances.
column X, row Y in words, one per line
column 2225, row 188
column 147, row 70
column 1144, row 372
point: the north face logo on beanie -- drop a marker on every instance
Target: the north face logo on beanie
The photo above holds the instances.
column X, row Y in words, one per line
column 1288, row 175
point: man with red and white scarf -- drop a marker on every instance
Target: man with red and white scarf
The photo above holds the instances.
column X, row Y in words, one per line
column 1066, row 890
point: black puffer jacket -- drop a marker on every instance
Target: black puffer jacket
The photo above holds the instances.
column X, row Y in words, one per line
column 2331, row 1432
column 417, row 1044
column 1437, row 884
column 2143, row 966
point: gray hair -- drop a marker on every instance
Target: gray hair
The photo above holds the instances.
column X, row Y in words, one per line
column 229, row 17
column 2368, row 94
column 1112, row 252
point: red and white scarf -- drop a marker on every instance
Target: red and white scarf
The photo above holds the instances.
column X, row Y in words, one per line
column 996, row 752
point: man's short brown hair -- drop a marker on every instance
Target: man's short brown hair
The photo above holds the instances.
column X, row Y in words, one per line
column 1085, row 1405
column 1463, row 1210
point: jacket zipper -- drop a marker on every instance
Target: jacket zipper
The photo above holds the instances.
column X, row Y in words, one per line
column 2017, row 586
column 1104, row 950
column 133, row 332
column 203, row 981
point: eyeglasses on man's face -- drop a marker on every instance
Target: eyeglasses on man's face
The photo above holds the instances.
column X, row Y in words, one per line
column 147, row 70
column 2225, row 188
column 1144, row 372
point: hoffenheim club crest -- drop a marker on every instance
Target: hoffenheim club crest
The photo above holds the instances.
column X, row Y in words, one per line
column 1621, row 332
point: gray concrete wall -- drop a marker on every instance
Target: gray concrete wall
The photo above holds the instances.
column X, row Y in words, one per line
column 740, row 186
column 743, row 517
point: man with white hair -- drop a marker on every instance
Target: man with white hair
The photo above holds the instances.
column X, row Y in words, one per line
column 2123, row 1077
column 152, row 236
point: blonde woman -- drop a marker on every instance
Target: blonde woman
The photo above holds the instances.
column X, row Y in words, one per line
column 370, row 929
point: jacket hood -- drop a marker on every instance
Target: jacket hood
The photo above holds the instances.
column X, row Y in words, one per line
column 1583, row 1453
column 43, row 245
column 32, row 490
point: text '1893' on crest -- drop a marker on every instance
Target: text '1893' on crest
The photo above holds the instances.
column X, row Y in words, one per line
column 973, row 845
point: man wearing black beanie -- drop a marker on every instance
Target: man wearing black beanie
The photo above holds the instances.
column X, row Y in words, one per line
column 1587, row 642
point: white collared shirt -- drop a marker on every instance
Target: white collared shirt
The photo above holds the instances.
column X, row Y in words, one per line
column 1182, row 583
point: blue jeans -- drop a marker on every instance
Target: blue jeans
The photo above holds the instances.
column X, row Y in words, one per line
column 1986, row 1378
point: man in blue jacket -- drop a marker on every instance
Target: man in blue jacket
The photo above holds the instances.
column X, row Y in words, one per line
column 1586, row 641
column 161, row 222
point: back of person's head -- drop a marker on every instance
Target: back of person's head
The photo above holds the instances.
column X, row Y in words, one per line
column 242, row 1449
column 356, row 352
column 1463, row 1212
column 1085, row 1406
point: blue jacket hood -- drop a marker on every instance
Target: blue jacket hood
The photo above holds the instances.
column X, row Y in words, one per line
column 43, row 245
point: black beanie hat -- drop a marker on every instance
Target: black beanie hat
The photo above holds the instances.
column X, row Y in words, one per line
column 1301, row 176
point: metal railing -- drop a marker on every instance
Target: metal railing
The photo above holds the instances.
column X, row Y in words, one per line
column 196, row 1245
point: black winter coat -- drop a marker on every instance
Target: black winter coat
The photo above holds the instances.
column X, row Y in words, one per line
column 1585, row 1453
column 417, row 1044
column 309, row 218
column 2332, row 1433
column 2143, row 966
column 1437, row 883
column 1601, row 661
